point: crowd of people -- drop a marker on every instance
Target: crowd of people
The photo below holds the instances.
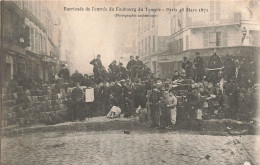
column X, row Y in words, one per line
column 185, row 97
column 134, row 87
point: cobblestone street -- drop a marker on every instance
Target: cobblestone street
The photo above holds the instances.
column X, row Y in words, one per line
column 115, row 147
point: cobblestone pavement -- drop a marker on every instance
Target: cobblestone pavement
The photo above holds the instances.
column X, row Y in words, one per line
column 115, row 147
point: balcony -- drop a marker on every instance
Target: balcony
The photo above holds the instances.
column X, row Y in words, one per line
column 232, row 19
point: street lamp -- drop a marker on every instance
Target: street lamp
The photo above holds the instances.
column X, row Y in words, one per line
column 244, row 31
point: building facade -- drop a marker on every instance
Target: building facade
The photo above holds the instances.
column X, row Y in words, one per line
column 230, row 28
column 153, row 36
column 31, row 39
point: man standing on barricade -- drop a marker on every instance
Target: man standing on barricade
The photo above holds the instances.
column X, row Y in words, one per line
column 97, row 69
column 77, row 98
column 113, row 71
column 214, row 65
column 187, row 66
column 131, row 65
column 139, row 67
column 198, row 66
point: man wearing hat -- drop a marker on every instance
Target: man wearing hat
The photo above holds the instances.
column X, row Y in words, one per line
column 214, row 64
column 198, row 65
column 230, row 67
column 139, row 67
column 131, row 67
column 154, row 98
column 187, row 66
column 121, row 74
column 97, row 69
column 64, row 73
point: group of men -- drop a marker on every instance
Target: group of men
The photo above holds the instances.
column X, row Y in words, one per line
column 119, row 89
column 241, row 70
column 134, row 70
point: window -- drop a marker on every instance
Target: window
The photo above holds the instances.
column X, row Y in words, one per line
column 142, row 45
column 145, row 45
column 149, row 44
column 32, row 38
column 139, row 47
column 187, row 42
column 153, row 43
column 205, row 40
column 254, row 37
column 215, row 39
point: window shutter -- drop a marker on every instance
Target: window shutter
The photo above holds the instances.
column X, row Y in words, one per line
column 205, row 40
column 224, row 38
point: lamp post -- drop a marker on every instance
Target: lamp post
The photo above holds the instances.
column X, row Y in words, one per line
column 244, row 32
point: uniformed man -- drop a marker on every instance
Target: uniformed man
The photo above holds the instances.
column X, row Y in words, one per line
column 97, row 69
column 64, row 73
column 139, row 67
column 77, row 98
column 131, row 65
column 214, row 65
column 154, row 98
column 198, row 66
column 77, row 77
column 121, row 72
column 163, row 110
column 176, row 76
column 232, row 92
column 230, row 67
column 187, row 66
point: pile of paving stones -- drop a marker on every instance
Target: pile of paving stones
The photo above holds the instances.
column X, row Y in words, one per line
column 24, row 107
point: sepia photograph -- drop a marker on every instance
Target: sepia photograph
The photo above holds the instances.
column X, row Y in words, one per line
column 130, row 82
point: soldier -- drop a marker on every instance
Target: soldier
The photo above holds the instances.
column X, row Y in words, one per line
column 86, row 80
column 77, row 98
column 187, row 66
column 77, row 77
column 138, row 95
column 64, row 73
column 131, row 67
column 214, row 65
column 230, row 67
column 139, row 67
column 104, row 97
column 198, row 65
column 154, row 98
column 232, row 92
column 121, row 72
column 176, row 76
column 97, row 69
column 163, row 110
column 113, row 66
